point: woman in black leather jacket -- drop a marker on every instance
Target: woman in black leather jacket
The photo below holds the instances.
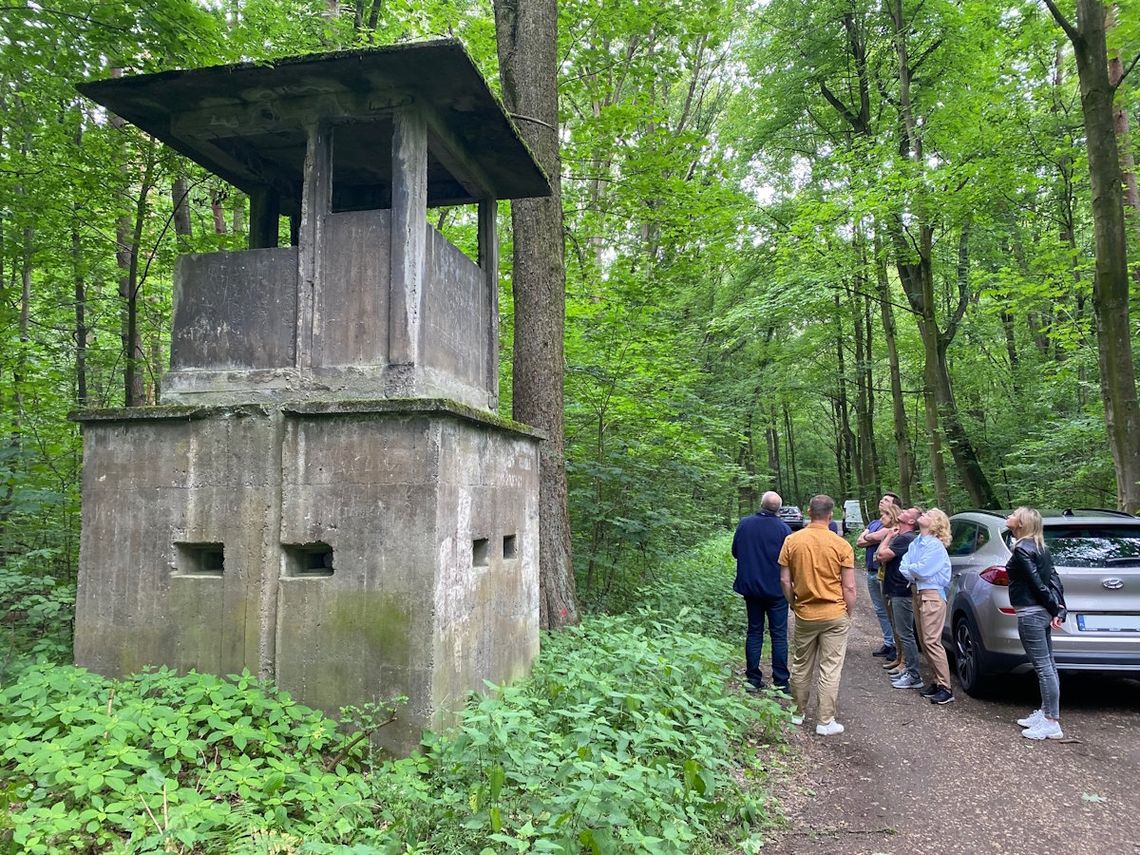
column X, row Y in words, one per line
column 1036, row 595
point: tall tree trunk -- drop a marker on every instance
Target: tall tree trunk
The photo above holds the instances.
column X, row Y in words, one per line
column 130, row 245
column 374, row 14
column 941, row 408
column 790, row 439
column 917, row 277
column 1011, row 346
column 16, row 434
column 776, row 474
column 183, row 230
column 29, row 235
column 868, row 383
column 217, row 208
column 865, row 439
column 527, row 37
column 1123, row 142
column 746, row 499
column 930, row 409
column 898, row 403
column 845, row 447
column 1110, row 283
column 237, row 214
column 126, row 258
column 80, row 310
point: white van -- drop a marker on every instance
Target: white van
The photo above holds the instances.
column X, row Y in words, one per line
column 852, row 517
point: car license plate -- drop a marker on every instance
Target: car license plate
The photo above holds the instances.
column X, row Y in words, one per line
column 1108, row 623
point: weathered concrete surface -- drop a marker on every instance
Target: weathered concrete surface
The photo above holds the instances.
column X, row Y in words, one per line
column 399, row 490
column 487, row 612
column 235, row 310
column 456, row 315
column 350, row 321
column 239, row 334
column 146, row 489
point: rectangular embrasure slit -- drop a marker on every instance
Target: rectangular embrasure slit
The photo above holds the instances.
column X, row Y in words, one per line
column 480, row 552
column 308, row 560
column 510, row 547
column 203, row 560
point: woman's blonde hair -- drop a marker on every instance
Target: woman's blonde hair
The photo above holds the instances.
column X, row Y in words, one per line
column 939, row 525
column 1029, row 525
column 892, row 513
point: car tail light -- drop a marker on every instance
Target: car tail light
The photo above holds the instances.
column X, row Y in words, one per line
column 996, row 575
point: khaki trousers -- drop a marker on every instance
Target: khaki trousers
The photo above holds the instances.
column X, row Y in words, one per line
column 931, row 617
column 818, row 648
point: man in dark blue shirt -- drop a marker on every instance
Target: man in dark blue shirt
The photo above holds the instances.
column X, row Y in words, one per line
column 756, row 548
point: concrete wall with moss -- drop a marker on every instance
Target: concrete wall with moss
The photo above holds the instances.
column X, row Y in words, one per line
column 350, row 551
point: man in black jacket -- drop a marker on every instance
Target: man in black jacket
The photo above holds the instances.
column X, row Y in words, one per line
column 756, row 546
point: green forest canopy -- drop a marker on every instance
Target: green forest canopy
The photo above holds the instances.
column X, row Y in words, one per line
column 745, row 191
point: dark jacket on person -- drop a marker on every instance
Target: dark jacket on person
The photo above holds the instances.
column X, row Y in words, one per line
column 1033, row 581
column 756, row 546
column 894, row 583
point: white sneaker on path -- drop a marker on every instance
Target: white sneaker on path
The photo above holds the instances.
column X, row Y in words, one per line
column 829, row 728
column 907, row 681
column 1044, row 729
column 1032, row 719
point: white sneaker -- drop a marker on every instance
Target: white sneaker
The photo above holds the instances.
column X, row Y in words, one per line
column 1044, row 729
column 829, row 728
column 906, row 681
column 1034, row 718
column 797, row 719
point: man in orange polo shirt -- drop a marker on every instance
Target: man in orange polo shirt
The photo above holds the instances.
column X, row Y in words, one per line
column 817, row 574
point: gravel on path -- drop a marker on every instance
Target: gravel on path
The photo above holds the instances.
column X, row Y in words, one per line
column 910, row 777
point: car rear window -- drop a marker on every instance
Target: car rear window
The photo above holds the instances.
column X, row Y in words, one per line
column 1094, row 545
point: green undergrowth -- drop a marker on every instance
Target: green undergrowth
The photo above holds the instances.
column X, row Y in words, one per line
column 36, row 612
column 627, row 737
column 693, row 591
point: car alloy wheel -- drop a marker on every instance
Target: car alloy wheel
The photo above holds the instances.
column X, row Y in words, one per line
column 968, row 655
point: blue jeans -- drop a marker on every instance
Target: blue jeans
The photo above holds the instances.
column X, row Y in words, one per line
column 776, row 613
column 1037, row 639
column 903, row 610
column 875, row 589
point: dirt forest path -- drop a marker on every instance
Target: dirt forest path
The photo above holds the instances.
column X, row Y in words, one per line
column 910, row 777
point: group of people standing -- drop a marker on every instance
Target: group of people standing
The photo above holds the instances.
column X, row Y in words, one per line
column 908, row 577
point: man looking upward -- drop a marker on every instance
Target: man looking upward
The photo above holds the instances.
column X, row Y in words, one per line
column 869, row 539
column 817, row 574
column 756, row 546
column 897, row 589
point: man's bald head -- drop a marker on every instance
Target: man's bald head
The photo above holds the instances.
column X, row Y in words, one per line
column 771, row 501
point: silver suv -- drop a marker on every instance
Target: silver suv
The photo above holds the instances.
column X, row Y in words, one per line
column 1097, row 554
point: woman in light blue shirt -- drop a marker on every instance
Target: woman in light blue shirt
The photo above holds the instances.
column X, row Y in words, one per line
column 927, row 566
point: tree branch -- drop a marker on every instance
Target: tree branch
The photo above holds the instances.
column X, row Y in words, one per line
column 963, row 284
column 1126, row 72
column 86, row 19
column 523, row 118
column 840, row 107
column 1072, row 32
column 923, row 57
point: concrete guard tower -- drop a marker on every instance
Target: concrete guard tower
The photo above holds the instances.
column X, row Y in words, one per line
column 326, row 497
